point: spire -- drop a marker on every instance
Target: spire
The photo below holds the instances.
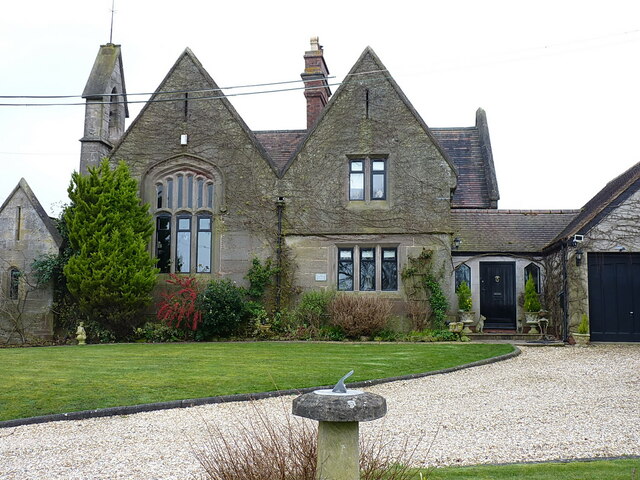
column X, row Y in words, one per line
column 106, row 108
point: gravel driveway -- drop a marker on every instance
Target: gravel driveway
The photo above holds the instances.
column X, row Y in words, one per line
column 548, row 403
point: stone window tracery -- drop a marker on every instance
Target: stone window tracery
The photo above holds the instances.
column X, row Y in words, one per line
column 184, row 214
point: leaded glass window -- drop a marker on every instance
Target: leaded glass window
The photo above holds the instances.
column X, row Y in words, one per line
column 203, row 248
column 183, row 245
column 163, row 243
column 389, row 269
column 463, row 274
column 367, row 269
column 533, row 270
column 184, row 203
column 345, row 269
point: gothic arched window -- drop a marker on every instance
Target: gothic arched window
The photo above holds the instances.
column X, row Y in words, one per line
column 463, row 274
column 184, row 202
column 532, row 270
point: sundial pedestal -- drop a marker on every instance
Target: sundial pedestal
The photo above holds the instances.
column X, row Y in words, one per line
column 339, row 415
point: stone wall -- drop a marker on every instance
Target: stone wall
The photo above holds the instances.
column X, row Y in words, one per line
column 23, row 238
column 218, row 146
column 616, row 232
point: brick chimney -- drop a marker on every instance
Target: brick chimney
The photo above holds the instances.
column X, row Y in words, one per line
column 317, row 91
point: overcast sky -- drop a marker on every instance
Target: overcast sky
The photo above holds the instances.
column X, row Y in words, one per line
column 559, row 79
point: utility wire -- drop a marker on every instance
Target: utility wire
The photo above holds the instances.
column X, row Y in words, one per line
column 162, row 100
column 487, row 60
column 219, row 89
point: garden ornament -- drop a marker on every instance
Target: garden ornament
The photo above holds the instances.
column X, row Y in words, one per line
column 81, row 335
column 339, row 412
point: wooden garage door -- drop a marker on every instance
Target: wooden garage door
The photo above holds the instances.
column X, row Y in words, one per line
column 614, row 297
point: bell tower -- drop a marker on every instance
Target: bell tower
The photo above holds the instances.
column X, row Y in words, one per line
column 106, row 107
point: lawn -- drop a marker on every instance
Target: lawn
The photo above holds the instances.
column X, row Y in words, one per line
column 626, row 469
column 40, row 381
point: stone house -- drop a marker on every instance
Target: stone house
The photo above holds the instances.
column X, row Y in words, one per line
column 345, row 203
column 26, row 233
column 349, row 199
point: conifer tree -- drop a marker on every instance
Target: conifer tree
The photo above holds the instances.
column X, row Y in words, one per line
column 110, row 273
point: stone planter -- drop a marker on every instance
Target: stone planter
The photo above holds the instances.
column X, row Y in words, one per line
column 456, row 327
column 531, row 320
column 582, row 339
column 467, row 319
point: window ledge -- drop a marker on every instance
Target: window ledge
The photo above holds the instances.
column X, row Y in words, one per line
column 368, row 205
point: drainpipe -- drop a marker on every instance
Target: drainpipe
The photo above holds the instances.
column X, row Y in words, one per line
column 279, row 210
column 565, row 293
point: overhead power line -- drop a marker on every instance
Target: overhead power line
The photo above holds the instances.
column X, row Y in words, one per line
column 174, row 92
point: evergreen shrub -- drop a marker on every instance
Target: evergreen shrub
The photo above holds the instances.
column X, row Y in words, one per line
column 464, row 297
column 531, row 297
column 110, row 271
column 224, row 310
column 313, row 309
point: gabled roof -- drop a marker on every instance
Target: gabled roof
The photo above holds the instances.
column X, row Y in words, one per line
column 99, row 81
column 35, row 203
column 351, row 77
column 476, row 173
column 188, row 54
column 507, row 231
column 610, row 197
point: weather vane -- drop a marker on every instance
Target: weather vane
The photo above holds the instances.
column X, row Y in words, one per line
column 112, row 12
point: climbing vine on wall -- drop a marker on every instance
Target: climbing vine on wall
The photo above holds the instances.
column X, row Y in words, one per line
column 421, row 282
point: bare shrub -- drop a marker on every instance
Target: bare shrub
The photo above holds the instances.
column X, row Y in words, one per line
column 264, row 448
column 359, row 315
column 418, row 312
column 261, row 449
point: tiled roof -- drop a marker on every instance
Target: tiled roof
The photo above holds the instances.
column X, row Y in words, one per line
column 602, row 202
column 463, row 147
column 280, row 144
column 461, row 144
column 507, row 231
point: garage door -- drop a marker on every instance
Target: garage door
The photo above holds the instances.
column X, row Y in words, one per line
column 614, row 297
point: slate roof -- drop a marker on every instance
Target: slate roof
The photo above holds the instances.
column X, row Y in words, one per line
column 607, row 199
column 280, row 144
column 462, row 145
column 507, row 231
column 99, row 78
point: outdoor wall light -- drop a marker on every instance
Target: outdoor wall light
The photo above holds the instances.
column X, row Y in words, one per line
column 578, row 257
column 456, row 243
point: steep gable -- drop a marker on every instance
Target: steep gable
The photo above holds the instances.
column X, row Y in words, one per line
column 603, row 203
column 187, row 102
column 23, row 191
column 369, row 118
column 367, row 72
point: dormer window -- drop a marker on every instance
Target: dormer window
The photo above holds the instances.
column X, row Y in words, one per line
column 367, row 179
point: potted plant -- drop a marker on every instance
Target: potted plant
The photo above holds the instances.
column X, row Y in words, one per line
column 531, row 304
column 582, row 336
column 464, row 305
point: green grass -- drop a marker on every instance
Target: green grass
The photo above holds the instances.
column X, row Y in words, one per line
column 626, row 469
column 41, row 381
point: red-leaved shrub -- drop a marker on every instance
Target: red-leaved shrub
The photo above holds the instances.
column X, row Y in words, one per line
column 179, row 307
